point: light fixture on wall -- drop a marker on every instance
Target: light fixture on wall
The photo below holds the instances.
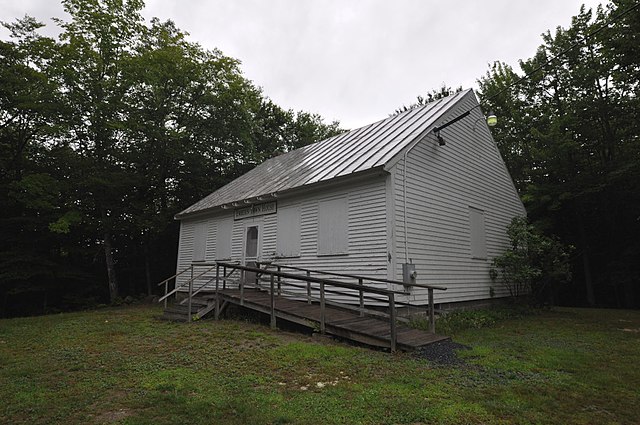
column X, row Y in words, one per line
column 436, row 130
column 491, row 119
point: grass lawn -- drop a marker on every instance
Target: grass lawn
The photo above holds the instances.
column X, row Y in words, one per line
column 123, row 365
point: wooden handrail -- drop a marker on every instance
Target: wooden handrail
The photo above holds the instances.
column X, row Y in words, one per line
column 337, row 283
column 174, row 276
column 276, row 286
column 185, row 283
column 322, row 283
column 372, row 279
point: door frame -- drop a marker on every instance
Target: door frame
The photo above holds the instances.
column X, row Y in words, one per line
column 251, row 222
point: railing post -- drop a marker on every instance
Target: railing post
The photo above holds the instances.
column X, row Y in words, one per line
column 242, row 287
column 257, row 281
column 432, row 316
column 190, row 292
column 360, row 283
column 273, row 306
column 322, row 310
column 279, row 281
column 308, row 288
column 217, row 311
column 224, row 275
column 190, row 279
column 392, row 318
column 166, row 289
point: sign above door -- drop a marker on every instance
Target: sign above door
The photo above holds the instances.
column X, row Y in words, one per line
column 255, row 210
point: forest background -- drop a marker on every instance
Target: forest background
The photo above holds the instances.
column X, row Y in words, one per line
column 114, row 126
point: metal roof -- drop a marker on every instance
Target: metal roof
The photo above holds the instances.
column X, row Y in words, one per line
column 357, row 150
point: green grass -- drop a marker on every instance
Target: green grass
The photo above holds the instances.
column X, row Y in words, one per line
column 124, row 366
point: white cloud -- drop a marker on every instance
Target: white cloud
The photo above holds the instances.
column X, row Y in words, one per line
column 355, row 61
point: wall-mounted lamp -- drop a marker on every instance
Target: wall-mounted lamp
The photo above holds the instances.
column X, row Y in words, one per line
column 436, row 130
column 492, row 119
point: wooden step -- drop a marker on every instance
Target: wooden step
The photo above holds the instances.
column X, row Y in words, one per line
column 179, row 312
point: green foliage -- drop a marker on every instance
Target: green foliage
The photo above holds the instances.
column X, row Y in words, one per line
column 64, row 223
column 454, row 322
column 457, row 321
column 534, row 265
column 431, row 96
column 569, row 135
column 106, row 132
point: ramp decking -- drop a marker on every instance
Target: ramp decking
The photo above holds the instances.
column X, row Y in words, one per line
column 339, row 322
column 264, row 291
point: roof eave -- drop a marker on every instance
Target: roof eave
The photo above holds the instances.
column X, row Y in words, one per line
column 323, row 184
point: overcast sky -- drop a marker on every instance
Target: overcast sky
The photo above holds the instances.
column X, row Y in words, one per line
column 354, row 61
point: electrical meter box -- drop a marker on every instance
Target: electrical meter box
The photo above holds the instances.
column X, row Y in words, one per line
column 409, row 273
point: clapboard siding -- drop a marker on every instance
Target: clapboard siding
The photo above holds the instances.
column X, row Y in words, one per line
column 269, row 232
column 367, row 237
column 186, row 246
column 442, row 183
column 366, row 232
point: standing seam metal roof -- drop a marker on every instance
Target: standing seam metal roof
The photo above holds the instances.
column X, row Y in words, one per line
column 350, row 152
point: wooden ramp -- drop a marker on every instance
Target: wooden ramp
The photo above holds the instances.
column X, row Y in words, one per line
column 304, row 300
column 339, row 322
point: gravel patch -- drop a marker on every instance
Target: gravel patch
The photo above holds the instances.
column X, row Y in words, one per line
column 443, row 352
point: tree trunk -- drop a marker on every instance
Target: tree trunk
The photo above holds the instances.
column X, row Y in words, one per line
column 147, row 268
column 111, row 268
column 591, row 299
column 4, row 304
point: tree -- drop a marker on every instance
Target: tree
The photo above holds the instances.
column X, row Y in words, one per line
column 109, row 131
column 431, row 96
column 534, row 266
column 572, row 145
column 28, row 189
column 189, row 118
column 97, row 42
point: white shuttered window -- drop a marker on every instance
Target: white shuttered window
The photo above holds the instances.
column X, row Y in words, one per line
column 333, row 227
column 200, row 241
column 478, row 233
column 288, row 236
column 224, row 232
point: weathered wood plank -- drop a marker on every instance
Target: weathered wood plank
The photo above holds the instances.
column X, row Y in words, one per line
column 340, row 322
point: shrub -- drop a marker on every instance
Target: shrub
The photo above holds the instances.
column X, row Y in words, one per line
column 534, row 266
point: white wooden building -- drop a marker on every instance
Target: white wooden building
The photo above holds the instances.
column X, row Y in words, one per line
column 370, row 200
